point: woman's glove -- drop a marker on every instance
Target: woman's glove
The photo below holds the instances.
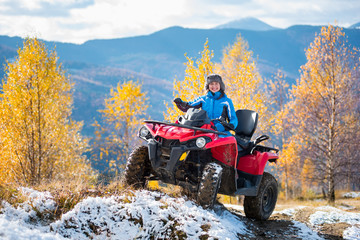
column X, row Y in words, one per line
column 219, row 127
column 224, row 126
column 177, row 100
column 183, row 106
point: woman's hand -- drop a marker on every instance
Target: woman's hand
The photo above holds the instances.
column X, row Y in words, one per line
column 222, row 125
column 183, row 106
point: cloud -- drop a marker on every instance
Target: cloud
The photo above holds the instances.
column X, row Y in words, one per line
column 284, row 13
column 81, row 20
column 45, row 8
column 289, row 12
column 128, row 18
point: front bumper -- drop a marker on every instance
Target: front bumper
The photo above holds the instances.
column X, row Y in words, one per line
column 167, row 159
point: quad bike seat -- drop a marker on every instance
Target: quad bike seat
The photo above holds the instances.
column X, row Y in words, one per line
column 247, row 122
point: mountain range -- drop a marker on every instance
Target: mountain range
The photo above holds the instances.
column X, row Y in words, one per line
column 248, row 23
column 156, row 59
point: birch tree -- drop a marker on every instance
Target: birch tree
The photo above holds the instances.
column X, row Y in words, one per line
column 122, row 116
column 326, row 106
column 244, row 85
column 39, row 140
column 193, row 85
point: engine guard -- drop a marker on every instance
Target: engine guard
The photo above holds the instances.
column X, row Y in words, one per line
column 158, row 162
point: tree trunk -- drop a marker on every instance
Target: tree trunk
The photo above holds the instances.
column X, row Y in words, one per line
column 331, row 192
column 331, row 196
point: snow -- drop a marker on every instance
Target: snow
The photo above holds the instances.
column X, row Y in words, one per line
column 135, row 216
column 305, row 232
column 289, row 211
column 217, row 167
column 352, row 233
column 27, row 212
column 330, row 215
column 14, row 230
column 143, row 215
column 351, row 195
column 23, row 222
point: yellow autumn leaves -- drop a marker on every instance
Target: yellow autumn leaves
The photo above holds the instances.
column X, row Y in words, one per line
column 244, row 85
column 315, row 122
column 39, row 141
column 324, row 114
column 122, row 116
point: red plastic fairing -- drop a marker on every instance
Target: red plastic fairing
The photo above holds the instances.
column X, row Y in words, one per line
column 255, row 163
column 173, row 132
column 224, row 150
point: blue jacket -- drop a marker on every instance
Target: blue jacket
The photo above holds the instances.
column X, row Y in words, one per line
column 215, row 107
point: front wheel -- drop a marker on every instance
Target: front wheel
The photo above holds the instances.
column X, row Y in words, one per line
column 209, row 185
column 261, row 206
column 137, row 167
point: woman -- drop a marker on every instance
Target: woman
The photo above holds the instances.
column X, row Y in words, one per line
column 215, row 103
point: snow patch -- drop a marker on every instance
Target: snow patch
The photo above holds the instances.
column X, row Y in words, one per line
column 24, row 221
column 15, row 230
column 289, row 211
column 351, row 195
column 305, row 232
column 145, row 215
column 28, row 213
column 352, row 233
column 333, row 215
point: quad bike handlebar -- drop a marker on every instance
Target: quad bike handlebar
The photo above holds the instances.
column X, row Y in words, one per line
column 263, row 148
column 261, row 138
column 226, row 125
column 185, row 126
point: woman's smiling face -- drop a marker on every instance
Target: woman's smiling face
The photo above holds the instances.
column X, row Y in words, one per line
column 214, row 87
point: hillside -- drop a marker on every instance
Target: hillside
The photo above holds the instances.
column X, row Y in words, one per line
column 155, row 215
column 93, row 83
column 356, row 25
column 156, row 59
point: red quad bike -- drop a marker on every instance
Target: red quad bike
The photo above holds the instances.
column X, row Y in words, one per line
column 191, row 154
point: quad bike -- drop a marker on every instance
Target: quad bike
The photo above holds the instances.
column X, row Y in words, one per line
column 191, row 154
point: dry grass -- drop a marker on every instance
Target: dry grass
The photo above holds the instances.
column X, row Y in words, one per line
column 169, row 189
column 10, row 194
column 351, row 204
column 66, row 194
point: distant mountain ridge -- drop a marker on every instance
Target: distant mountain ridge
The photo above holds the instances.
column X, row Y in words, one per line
column 248, row 23
column 356, row 25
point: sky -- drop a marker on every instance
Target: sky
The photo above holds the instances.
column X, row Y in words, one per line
column 77, row 21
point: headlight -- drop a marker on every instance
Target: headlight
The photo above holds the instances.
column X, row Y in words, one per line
column 144, row 132
column 200, row 142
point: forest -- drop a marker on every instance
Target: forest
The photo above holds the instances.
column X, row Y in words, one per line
column 315, row 123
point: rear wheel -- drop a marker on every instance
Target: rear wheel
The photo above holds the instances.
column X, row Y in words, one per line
column 209, row 185
column 137, row 167
column 261, row 206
